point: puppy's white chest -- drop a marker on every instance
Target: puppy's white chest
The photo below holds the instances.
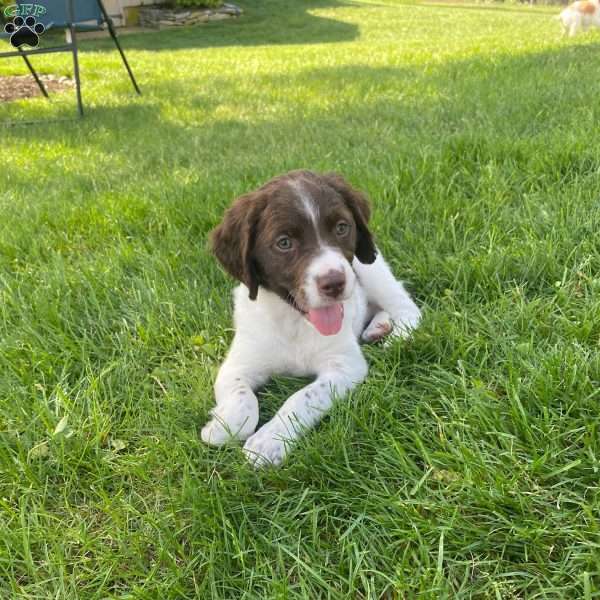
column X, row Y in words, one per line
column 286, row 339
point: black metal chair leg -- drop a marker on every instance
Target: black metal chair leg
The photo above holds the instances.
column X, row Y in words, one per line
column 113, row 35
column 76, row 70
column 34, row 74
column 73, row 40
column 116, row 40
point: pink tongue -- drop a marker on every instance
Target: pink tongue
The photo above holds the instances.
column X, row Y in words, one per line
column 327, row 320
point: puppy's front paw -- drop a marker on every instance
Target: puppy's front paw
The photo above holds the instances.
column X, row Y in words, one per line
column 265, row 448
column 214, row 433
column 218, row 431
column 234, row 418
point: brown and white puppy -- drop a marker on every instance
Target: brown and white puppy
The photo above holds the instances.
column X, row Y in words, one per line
column 312, row 285
column 579, row 15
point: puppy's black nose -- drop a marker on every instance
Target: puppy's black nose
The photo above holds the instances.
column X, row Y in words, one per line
column 332, row 284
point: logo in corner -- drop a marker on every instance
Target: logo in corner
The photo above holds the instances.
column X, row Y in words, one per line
column 24, row 30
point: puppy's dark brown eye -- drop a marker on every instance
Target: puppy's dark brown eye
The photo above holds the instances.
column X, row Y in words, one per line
column 284, row 243
column 342, row 228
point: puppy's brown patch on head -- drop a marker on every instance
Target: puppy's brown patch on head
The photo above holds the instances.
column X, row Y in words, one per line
column 269, row 237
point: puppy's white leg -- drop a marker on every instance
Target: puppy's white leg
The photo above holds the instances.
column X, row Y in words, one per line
column 236, row 414
column 303, row 410
column 384, row 290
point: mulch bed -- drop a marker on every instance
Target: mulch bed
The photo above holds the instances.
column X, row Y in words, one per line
column 17, row 87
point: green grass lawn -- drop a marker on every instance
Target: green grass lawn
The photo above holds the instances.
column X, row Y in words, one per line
column 466, row 466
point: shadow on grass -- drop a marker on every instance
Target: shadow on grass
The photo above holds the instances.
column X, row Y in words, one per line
column 395, row 127
column 502, row 87
column 263, row 24
column 269, row 22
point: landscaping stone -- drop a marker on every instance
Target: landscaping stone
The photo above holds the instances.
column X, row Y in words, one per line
column 160, row 17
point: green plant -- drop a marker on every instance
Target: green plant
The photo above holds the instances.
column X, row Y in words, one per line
column 195, row 3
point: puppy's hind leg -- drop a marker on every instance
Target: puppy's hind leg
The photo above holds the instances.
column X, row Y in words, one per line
column 379, row 326
column 389, row 295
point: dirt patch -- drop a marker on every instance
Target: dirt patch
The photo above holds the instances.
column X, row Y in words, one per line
column 17, row 87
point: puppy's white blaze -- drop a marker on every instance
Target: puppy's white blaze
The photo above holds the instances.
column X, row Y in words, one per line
column 307, row 204
column 328, row 259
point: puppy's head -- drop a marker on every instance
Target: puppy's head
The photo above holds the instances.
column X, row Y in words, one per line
column 296, row 236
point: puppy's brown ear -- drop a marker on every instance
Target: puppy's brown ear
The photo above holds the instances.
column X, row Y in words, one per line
column 233, row 240
column 358, row 204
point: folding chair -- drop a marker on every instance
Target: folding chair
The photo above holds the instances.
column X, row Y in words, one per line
column 71, row 15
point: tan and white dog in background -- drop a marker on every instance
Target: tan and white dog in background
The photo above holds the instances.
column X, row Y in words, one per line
column 579, row 15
